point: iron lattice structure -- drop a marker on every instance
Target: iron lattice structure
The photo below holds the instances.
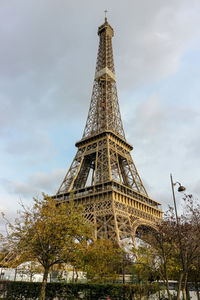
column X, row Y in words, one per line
column 103, row 176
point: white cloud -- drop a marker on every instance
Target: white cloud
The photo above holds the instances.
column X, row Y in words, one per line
column 153, row 46
column 148, row 117
column 35, row 184
column 49, row 60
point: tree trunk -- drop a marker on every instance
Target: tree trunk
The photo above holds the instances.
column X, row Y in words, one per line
column 123, row 273
column 197, row 289
column 198, row 295
column 187, row 292
column 184, row 287
column 44, row 283
column 15, row 274
column 179, row 285
column 167, row 282
column 184, row 294
column 159, row 294
column 76, row 278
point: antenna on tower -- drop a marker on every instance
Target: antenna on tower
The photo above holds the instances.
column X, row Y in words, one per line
column 105, row 11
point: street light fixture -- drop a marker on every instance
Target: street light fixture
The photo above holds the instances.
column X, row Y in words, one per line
column 181, row 188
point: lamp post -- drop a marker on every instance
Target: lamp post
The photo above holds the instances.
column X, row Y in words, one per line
column 181, row 188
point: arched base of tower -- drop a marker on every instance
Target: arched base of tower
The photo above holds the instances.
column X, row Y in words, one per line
column 116, row 212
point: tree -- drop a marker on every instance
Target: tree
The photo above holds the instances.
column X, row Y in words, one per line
column 77, row 260
column 30, row 269
column 194, row 275
column 144, row 266
column 3, row 253
column 163, row 247
column 103, row 260
column 188, row 231
column 49, row 233
column 192, row 215
column 177, row 247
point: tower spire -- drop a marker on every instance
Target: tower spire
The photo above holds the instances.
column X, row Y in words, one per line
column 104, row 113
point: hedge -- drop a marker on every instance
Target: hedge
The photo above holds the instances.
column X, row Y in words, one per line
column 3, row 288
column 87, row 291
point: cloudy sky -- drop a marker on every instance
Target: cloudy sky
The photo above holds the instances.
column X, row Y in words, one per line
column 48, row 51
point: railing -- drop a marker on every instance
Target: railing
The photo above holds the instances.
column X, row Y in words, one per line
column 106, row 187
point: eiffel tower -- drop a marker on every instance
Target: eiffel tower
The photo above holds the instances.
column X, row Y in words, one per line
column 103, row 177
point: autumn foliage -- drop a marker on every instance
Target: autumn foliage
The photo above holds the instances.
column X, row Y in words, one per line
column 49, row 233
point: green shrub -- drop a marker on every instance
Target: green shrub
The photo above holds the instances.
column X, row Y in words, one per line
column 23, row 290
column 70, row 291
